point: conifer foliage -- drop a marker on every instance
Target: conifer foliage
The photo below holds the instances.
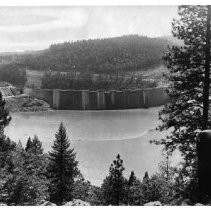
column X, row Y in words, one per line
column 34, row 145
column 183, row 116
column 134, row 190
column 113, row 186
column 6, row 145
column 125, row 53
column 62, row 168
column 27, row 183
column 4, row 114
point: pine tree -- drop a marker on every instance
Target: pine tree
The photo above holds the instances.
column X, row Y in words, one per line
column 27, row 183
column 159, row 188
column 183, row 116
column 114, row 185
column 16, row 182
column 146, row 177
column 5, row 118
column 62, row 168
column 28, row 144
column 6, row 145
column 206, row 82
column 81, row 188
column 132, row 178
column 34, row 145
column 134, row 191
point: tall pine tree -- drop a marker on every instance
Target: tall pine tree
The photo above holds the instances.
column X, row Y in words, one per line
column 114, row 185
column 183, row 116
column 62, row 168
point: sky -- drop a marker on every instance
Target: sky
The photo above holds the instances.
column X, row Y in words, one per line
column 35, row 28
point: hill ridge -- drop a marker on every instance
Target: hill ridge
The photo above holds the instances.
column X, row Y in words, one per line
column 108, row 55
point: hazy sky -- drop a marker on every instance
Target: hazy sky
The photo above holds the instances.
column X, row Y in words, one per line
column 33, row 28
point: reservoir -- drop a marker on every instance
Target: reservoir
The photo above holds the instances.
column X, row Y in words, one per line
column 97, row 137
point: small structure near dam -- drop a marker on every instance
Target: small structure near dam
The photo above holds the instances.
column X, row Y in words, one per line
column 100, row 100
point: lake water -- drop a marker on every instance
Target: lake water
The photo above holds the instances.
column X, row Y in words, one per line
column 97, row 136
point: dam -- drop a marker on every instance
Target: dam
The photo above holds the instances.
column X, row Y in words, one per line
column 100, row 99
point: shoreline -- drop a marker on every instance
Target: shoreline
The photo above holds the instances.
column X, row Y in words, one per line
column 87, row 111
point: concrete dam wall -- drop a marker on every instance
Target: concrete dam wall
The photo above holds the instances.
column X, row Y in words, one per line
column 101, row 100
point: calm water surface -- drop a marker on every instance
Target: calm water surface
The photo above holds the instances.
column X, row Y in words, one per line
column 97, row 136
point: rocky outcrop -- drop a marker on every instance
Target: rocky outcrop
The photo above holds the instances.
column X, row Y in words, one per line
column 77, row 202
column 153, row 203
column 74, row 202
column 17, row 102
column 47, row 203
column 198, row 204
column 24, row 103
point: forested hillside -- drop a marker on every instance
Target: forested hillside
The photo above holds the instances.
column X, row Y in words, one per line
column 126, row 53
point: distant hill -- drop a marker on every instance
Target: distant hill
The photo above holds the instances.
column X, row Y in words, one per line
column 173, row 40
column 125, row 53
column 14, row 57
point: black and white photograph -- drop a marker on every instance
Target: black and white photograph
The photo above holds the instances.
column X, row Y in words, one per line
column 105, row 105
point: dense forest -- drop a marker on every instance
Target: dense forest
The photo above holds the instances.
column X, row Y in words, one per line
column 125, row 53
column 86, row 81
column 13, row 74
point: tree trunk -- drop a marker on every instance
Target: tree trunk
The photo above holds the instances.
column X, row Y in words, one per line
column 207, row 72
